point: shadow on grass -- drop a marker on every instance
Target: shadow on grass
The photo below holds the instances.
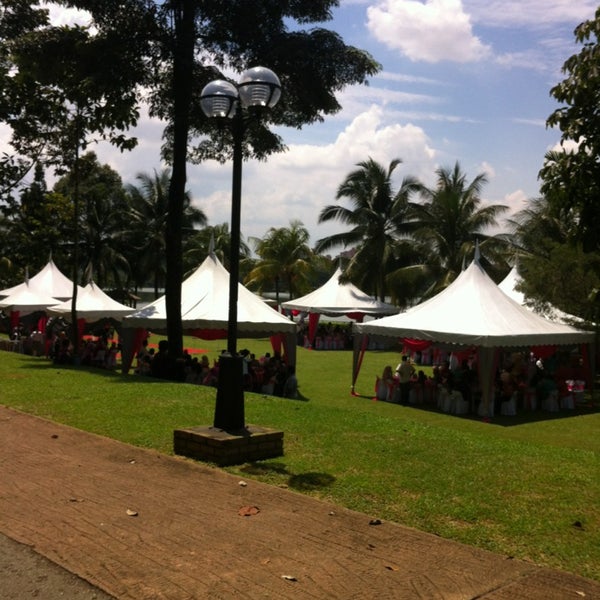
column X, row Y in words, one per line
column 115, row 374
column 41, row 363
column 302, row 481
column 311, row 481
column 522, row 417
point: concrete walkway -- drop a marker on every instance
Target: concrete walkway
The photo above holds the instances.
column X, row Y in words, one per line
column 141, row 525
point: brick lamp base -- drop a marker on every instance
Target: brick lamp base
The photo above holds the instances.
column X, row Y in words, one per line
column 228, row 448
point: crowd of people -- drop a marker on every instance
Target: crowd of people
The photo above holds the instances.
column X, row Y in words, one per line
column 329, row 336
column 100, row 349
column 267, row 374
column 522, row 382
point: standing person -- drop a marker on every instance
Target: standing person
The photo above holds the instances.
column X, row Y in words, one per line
column 161, row 362
column 405, row 371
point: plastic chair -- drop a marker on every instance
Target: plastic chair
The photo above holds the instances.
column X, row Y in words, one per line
column 550, row 403
column 509, row 407
column 530, row 399
column 460, row 405
column 568, row 402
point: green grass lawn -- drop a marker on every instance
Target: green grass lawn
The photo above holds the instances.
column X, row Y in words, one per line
column 525, row 486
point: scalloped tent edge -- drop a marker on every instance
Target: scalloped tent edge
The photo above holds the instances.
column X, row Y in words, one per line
column 334, row 299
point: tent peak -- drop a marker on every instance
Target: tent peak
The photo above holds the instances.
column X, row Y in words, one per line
column 477, row 252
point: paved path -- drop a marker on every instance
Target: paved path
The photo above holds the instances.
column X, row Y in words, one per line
column 141, row 525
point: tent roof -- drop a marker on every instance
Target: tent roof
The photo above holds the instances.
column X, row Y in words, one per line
column 205, row 305
column 509, row 286
column 92, row 305
column 473, row 310
column 27, row 300
column 50, row 280
column 334, row 298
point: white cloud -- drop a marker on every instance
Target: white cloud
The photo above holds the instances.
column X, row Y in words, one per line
column 488, row 169
column 533, row 13
column 402, row 78
column 301, row 182
column 144, row 158
column 60, row 16
column 430, row 31
column 566, row 146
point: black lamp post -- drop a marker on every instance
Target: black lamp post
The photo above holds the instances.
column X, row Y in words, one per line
column 258, row 87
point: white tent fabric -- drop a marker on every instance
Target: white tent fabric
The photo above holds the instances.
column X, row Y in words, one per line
column 50, row 280
column 92, row 305
column 26, row 300
column 205, row 308
column 473, row 311
column 509, row 286
column 334, row 299
column 205, row 302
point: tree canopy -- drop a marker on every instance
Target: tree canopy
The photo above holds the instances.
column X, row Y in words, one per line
column 164, row 53
column 377, row 219
column 571, row 177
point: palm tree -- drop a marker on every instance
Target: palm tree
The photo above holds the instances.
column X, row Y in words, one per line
column 197, row 245
column 378, row 221
column 147, row 225
column 450, row 222
column 542, row 222
column 101, row 252
column 284, row 255
column 101, row 217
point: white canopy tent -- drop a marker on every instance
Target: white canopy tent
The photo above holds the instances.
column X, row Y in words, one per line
column 26, row 300
column 92, row 305
column 509, row 286
column 472, row 311
column 205, row 311
column 335, row 299
column 50, row 281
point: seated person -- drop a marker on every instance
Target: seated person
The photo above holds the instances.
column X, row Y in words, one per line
column 290, row 387
column 385, row 384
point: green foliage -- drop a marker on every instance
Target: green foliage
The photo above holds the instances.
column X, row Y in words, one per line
column 516, row 485
column 101, row 219
column 377, row 219
column 36, row 227
column 197, row 245
column 564, row 277
column 572, row 177
column 449, row 223
column 144, row 226
column 552, row 262
column 284, row 257
column 64, row 89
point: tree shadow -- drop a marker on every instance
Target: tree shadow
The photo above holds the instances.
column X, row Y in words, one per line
column 311, row 481
column 299, row 481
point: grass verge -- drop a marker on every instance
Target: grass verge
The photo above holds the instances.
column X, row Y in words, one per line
column 525, row 486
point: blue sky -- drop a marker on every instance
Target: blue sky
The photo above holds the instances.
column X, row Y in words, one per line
column 464, row 81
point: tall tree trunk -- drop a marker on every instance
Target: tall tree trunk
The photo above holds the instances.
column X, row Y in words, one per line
column 183, row 16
